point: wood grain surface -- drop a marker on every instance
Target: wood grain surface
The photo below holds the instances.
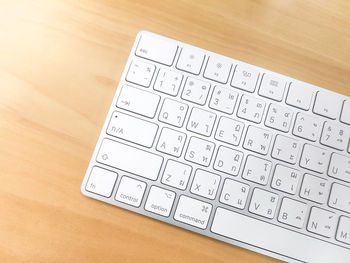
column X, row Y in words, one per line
column 60, row 62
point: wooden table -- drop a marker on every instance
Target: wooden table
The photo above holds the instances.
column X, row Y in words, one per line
column 60, row 62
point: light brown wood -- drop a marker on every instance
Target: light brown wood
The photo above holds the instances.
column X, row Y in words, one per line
column 60, row 62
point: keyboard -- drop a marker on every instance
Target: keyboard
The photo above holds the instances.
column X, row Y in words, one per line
column 228, row 150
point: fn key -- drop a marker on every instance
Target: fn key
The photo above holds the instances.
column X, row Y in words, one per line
column 101, row 181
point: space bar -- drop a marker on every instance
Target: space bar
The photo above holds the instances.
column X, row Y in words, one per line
column 276, row 239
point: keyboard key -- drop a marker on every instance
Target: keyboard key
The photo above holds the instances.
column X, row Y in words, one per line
column 190, row 60
column 173, row 112
column 193, row 212
column 223, row 99
column 245, row 78
column 339, row 167
column 292, row 212
column 314, row 188
column 263, row 203
column 156, row 49
column 138, row 101
column 199, row 151
column 322, row 222
column 176, row 174
column 257, row 140
column 251, row 109
column 140, row 73
column 171, row 142
column 314, row 158
column 299, row 95
column 285, row 149
column 205, row 184
column 340, row 197
column 307, row 127
column 328, row 104
column 343, row 232
column 335, row 136
column 234, row 194
column 257, row 170
column 168, row 82
column 272, row 87
column 229, row 131
column 196, row 90
column 279, row 117
column 201, row 121
column 228, row 160
column 285, row 179
column 345, row 113
column 160, row 201
column 128, row 128
column 218, row 69
column 101, row 181
column 130, row 191
column 122, row 156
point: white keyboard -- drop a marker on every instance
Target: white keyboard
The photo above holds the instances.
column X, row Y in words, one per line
column 228, row 150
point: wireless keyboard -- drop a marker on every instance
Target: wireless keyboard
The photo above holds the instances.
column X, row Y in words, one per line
column 228, row 150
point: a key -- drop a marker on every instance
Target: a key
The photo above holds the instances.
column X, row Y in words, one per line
column 328, row 104
column 314, row 188
column 251, row 109
column 171, row 142
column 228, row 160
column 257, row 140
column 196, row 90
column 160, row 201
column 218, row 69
column 257, row 170
column 168, row 81
column 292, row 212
column 245, row 78
column 285, row 179
column 205, row 184
column 343, row 232
column 201, row 121
column 123, row 126
column 263, row 203
column 340, row 197
column 314, row 158
column 234, row 193
column 173, row 112
column 130, row 191
column 322, row 222
column 229, row 131
column 176, row 174
column 138, row 101
column 339, row 167
column 199, row 151
column 307, row 127
column 299, row 95
column 279, row 117
column 335, row 136
column 345, row 113
column 285, row 149
column 190, row 60
column 223, row 99
column 140, row 73
column 272, row 87
column 101, row 181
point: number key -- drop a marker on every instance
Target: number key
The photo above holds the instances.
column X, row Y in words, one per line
column 251, row 109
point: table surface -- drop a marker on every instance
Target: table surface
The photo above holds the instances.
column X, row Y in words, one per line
column 60, row 62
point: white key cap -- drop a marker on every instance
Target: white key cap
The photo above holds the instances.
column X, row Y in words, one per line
column 263, row 203
column 307, row 127
column 234, row 193
column 257, row 170
column 140, row 73
column 299, row 95
column 229, row 131
column 322, row 222
column 156, row 49
column 193, row 212
column 245, row 78
column 130, row 191
column 122, row 156
column 168, row 81
column 292, row 212
column 176, row 174
column 228, row 160
column 279, row 117
column 218, row 68
column 345, row 113
column 196, row 90
column 343, row 232
column 201, row 121
column 285, row 179
column 285, row 149
column 335, row 136
column 251, row 109
column 272, row 87
column 160, row 201
column 128, row 128
column 339, row 167
column 205, row 184
column 101, row 181
column 171, row 142
column 257, row 140
column 314, row 188
column 173, row 112
column 199, row 151
column 138, row 101
column 190, row 60
column 223, row 99
column 340, row 197
column 314, row 158
column 328, row 104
